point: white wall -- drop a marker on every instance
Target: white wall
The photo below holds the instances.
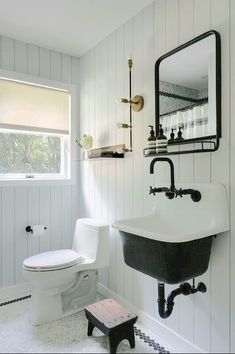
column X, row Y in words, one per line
column 113, row 189
column 54, row 206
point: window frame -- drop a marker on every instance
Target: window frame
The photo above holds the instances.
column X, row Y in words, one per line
column 69, row 147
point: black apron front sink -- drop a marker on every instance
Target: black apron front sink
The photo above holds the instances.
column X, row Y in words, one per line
column 168, row 262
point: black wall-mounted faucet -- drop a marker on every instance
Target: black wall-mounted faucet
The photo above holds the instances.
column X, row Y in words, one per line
column 172, row 191
column 165, row 159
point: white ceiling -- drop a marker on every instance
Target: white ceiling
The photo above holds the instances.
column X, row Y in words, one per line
column 69, row 26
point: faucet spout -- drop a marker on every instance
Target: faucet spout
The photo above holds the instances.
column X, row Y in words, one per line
column 165, row 159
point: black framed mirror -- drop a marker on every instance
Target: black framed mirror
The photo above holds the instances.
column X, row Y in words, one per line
column 188, row 93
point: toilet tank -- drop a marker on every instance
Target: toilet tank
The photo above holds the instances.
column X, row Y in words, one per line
column 91, row 240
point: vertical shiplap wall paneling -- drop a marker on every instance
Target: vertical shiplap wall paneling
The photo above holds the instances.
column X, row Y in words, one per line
column 112, row 163
column 0, row 51
column 91, row 179
column 186, row 171
column 105, row 142
column 92, row 128
column 8, row 54
column 66, row 227
column 75, row 188
column 33, row 218
column 66, row 195
column 54, row 206
column 21, row 57
column 120, row 70
column 232, row 174
column 33, row 67
column 56, row 66
column 84, row 196
column 83, row 119
column 8, row 242
column 202, row 173
column 56, row 191
column 45, row 217
column 202, row 319
column 138, row 135
column 20, row 221
column 101, row 178
column 97, row 165
column 172, row 41
column 220, row 251
column 45, row 63
column 159, row 46
column 202, row 23
column 127, row 174
column 149, row 284
column 1, row 244
column 186, row 32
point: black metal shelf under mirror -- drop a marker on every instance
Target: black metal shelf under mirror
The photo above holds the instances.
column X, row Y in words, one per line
column 188, row 96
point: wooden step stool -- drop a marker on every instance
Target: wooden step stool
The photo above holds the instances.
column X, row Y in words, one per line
column 113, row 320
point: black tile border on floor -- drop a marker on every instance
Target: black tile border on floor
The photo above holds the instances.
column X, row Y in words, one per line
column 150, row 342
column 15, row 300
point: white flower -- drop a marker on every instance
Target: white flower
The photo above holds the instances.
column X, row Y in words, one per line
column 85, row 142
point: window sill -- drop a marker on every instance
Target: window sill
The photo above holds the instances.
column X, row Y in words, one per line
column 36, row 182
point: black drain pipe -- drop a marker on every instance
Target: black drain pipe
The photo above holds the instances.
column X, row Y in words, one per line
column 165, row 308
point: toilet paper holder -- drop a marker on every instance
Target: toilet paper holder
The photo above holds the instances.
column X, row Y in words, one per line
column 29, row 229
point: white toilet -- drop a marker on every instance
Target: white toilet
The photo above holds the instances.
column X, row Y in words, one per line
column 65, row 281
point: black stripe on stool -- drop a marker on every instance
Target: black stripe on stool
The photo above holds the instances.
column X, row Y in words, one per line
column 15, row 300
column 149, row 341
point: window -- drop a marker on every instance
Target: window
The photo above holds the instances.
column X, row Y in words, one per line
column 34, row 131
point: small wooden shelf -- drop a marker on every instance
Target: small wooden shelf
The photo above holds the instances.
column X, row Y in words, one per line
column 107, row 152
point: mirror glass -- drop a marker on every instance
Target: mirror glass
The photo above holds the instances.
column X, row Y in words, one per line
column 186, row 90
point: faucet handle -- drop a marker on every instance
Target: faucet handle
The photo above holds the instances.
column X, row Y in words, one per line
column 178, row 192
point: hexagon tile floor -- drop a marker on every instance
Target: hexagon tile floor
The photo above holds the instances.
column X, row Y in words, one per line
column 67, row 335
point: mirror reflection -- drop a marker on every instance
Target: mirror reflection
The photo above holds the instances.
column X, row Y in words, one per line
column 187, row 91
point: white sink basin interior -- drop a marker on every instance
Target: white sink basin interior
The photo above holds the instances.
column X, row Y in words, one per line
column 181, row 219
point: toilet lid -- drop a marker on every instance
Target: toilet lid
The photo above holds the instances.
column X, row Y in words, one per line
column 53, row 259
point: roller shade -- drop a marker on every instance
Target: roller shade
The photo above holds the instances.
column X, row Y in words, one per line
column 33, row 108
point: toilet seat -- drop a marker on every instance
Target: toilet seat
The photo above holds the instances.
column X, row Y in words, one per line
column 52, row 260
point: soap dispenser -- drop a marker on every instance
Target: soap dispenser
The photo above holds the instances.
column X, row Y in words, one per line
column 179, row 135
column 161, row 142
column 151, row 149
column 172, row 136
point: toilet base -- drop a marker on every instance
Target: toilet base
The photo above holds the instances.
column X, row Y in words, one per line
column 49, row 306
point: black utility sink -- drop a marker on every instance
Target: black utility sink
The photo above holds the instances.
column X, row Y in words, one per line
column 173, row 244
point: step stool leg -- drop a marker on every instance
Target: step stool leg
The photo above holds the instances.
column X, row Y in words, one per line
column 113, row 344
column 90, row 328
column 131, row 337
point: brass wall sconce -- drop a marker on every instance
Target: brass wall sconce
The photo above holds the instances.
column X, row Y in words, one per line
column 136, row 104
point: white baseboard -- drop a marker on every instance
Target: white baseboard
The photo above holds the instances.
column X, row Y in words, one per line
column 180, row 344
column 13, row 292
